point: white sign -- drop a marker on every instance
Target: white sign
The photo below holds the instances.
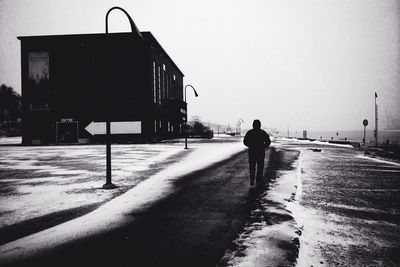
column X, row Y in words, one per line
column 116, row 127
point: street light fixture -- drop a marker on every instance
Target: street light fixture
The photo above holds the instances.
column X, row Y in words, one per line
column 136, row 32
column 196, row 95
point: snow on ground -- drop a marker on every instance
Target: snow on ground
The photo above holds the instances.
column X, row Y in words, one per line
column 268, row 237
column 36, row 181
column 308, row 142
column 113, row 214
column 10, row 140
column 378, row 160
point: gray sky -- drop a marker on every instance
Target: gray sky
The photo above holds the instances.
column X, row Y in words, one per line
column 309, row 64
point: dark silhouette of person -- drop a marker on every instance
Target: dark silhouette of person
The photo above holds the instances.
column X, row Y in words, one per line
column 257, row 140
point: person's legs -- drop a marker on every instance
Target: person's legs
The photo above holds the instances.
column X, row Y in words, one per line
column 252, row 164
column 260, row 170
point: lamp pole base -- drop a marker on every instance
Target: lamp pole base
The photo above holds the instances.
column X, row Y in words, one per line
column 109, row 186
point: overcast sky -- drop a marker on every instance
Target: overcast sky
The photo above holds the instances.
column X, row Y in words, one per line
column 310, row 64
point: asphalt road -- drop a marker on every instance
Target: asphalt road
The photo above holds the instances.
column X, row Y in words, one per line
column 192, row 227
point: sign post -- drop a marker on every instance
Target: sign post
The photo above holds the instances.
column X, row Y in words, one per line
column 365, row 123
column 108, row 128
column 108, row 184
column 376, row 123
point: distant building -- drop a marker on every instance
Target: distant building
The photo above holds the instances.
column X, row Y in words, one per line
column 69, row 81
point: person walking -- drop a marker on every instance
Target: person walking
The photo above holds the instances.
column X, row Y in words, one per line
column 257, row 140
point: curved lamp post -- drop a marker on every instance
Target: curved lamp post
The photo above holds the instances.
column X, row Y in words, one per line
column 134, row 29
column 136, row 32
column 196, row 95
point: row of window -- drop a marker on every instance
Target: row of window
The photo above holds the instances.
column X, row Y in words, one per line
column 170, row 127
column 165, row 85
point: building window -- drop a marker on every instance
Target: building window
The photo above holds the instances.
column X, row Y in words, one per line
column 155, row 126
column 174, row 92
column 159, row 85
column 154, row 83
column 174, row 77
column 167, row 89
column 38, row 64
column 163, row 86
column 163, row 67
column 169, row 127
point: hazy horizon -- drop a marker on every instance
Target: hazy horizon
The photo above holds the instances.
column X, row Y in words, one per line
column 312, row 65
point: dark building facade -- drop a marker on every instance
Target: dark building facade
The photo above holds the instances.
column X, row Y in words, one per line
column 70, row 81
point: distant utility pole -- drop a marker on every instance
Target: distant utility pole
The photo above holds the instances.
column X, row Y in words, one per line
column 376, row 121
column 239, row 128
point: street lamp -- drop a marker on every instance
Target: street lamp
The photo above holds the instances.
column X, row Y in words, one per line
column 136, row 32
column 196, row 95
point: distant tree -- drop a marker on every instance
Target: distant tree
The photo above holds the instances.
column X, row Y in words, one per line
column 10, row 111
column 197, row 128
column 10, row 104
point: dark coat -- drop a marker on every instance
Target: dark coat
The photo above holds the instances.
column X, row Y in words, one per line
column 256, row 140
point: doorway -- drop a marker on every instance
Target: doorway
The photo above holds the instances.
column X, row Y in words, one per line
column 67, row 132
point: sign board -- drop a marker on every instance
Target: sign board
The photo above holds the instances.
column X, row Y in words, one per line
column 117, row 127
column 365, row 122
